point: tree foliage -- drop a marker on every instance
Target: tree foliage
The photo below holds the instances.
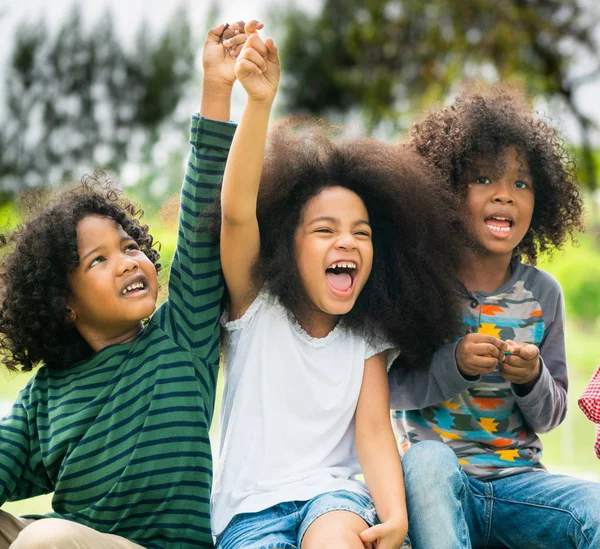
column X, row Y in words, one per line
column 78, row 97
column 390, row 58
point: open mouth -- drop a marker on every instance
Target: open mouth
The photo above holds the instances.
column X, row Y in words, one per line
column 134, row 288
column 499, row 224
column 341, row 276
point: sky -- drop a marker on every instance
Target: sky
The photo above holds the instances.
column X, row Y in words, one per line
column 129, row 13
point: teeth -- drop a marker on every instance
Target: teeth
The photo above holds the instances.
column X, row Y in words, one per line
column 496, row 228
column 136, row 286
column 342, row 266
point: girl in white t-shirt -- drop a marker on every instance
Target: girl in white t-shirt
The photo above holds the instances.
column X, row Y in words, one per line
column 342, row 250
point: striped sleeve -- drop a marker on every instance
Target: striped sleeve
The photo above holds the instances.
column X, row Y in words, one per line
column 196, row 283
column 22, row 474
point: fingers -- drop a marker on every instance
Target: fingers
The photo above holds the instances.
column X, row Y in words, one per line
column 273, row 54
column 251, row 60
column 485, row 364
column 515, row 373
column 235, row 44
column 370, row 535
column 214, row 35
column 253, row 26
column 255, row 42
column 229, row 31
column 238, row 26
column 526, row 352
column 258, row 52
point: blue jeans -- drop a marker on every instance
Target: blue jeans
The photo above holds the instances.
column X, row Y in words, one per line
column 283, row 526
column 449, row 510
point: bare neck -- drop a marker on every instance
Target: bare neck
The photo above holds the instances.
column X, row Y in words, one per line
column 98, row 341
column 484, row 273
column 315, row 323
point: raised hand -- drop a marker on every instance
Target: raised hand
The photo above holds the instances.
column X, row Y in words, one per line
column 257, row 67
column 223, row 44
column 478, row 354
column 522, row 366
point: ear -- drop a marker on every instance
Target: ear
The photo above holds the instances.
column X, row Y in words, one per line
column 70, row 315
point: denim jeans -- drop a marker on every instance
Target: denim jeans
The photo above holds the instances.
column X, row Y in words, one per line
column 283, row 526
column 449, row 510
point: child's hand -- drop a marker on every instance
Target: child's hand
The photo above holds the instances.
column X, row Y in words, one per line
column 387, row 535
column 223, row 44
column 522, row 366
column 257, row 67
column 478, row 354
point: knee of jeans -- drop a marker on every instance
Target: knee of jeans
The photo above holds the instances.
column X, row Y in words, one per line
column 47, row 533
column 429, row 463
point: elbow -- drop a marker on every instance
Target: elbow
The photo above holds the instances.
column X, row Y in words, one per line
column 234, row 219
column 554, row 420
column 368, row 431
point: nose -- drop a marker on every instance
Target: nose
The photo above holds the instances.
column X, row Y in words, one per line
column 127, row 264
column 346, row 242
column 503, row 193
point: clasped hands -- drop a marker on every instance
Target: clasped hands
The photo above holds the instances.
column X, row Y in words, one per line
column 478, row 354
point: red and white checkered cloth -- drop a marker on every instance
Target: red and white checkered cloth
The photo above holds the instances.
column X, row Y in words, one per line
column 590, row 405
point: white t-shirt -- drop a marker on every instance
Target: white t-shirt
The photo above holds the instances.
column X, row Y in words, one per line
column 287, row 415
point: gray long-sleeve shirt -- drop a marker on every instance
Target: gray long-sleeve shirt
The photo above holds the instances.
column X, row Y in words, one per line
column 488, row 425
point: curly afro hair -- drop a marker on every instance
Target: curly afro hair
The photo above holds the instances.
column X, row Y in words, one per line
column 410, row 294
column 34, row 264
column 481, row 123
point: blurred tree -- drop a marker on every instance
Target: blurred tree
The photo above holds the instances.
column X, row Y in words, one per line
column 80, row 99
column 390, row 58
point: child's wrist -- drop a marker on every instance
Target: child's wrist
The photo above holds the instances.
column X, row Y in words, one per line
column 217, row 86
column 260, row 104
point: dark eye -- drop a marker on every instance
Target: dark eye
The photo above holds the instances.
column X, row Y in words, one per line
column 483, row 180
column 96, row 261
column 521, row 184
column 132, row 246
column 363, row 233
column 324, row 230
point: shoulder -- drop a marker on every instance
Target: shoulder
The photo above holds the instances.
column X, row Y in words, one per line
column 263, row 302
column 538, row 281
column 543, row 288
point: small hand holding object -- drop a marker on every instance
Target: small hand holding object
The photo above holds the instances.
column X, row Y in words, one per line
column 522, row 366
column 390, row 534
column 222, row 46
column 478, row 354
column 257, row 67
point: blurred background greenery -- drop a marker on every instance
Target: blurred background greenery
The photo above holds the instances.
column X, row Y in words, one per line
column 78, row 94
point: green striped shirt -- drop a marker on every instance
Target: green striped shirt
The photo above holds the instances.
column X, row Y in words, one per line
column 122, row 439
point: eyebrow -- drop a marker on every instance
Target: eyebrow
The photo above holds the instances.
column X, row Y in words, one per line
column 335, row 221
column 95, row 250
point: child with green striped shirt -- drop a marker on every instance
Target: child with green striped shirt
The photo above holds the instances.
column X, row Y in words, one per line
column 115, row 422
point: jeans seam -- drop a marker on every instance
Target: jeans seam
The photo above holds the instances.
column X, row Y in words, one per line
column 488, row 511
column 462, row 493
column 505, row 500
column 278, row 545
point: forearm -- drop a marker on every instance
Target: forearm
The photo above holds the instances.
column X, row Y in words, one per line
column 382, row 469
column 545, row 406
column 412, row 389
column 216, row 100
column 18, row 477
column 244, row 165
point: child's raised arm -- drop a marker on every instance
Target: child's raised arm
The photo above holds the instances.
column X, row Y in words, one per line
column 257, row 68
column 222, row 46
